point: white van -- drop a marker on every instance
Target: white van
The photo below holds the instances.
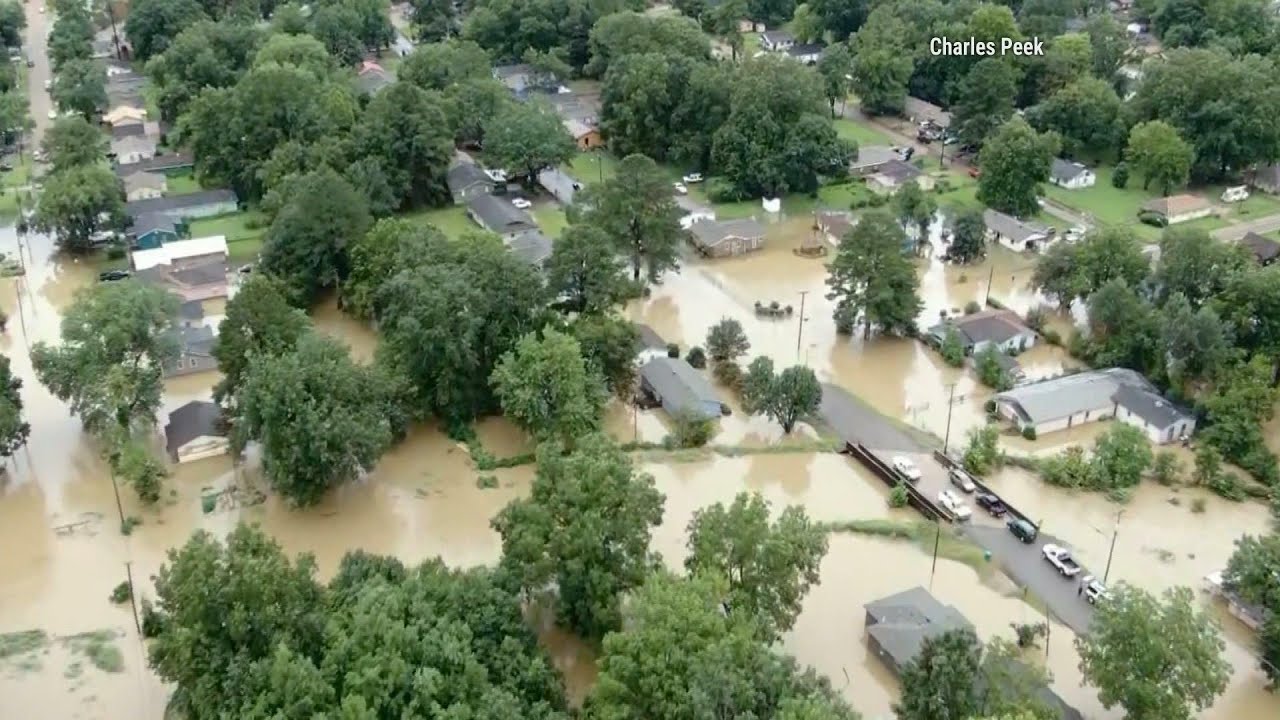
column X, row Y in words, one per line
column 1235, row 194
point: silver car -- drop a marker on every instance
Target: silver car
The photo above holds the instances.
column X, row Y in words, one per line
column 961, row 479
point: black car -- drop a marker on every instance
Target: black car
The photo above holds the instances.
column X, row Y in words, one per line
column 991, row 504
column 1023, row 530
column 113, row 275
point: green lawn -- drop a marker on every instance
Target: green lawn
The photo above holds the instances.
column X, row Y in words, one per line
column 182, row 183
column 237, row 227
column 550, row 219
column 862, row 134
column 590, row 168
column 452, row 221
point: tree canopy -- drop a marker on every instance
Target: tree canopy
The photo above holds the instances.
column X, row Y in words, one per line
column 871, row 280
column 547, row 387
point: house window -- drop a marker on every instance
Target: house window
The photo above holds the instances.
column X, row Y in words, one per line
column 181, row 363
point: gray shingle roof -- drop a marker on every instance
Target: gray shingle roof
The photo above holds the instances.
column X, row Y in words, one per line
column 904, row 620
column 647, row 338
column 193, row 310
column 170, row 203
column 531, row 246
column 1011, row 227
column 678, row 384
column 122, row 130
column 1065, row 170
column 872, row 156
column 1068, row 395
column 149, row 222
column 1264, row 249
column 995, row 326
column 710, row 233
column 464, row 175
column 1176, row 204
column 144, row 180
column 499, row 215
column 196, row 340
column 132, row 143
column 774, row 37
column 898, row 171
column 170, row 161
column 197, row 418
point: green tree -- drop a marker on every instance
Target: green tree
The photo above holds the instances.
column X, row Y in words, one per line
column 405, row 128
column 1109, row 44
column 13, row 429
column 547, row 388
column 1068, row 59
column 1085, row 113
column 982, row 453
column 1156, row 151
column 321, row 419
column 302, row 51
column 527, row 138
column 1166, row 468
column 795, row 394
column 726, row 18
column 1251, row 305
column 433, row 20
column 259, row 323
column 1124, row 329
column 836, row 67
column 71, row 37
column 1076, row 271
column 872, row 281
column 757, row 385
column 989, row 370
column 470, row 104
column 1243, row 400
column 806, row 26
column 306, row 245
column 968, row 237
column 769, row 567
column 984, row 100
column 632, row 33
column 390, row 246
column 72, row 141
column 207, row 55
column 12, row 21
column 1208, row 464
column 942, row 681
column 1194, row 266
column 585, row 271
column 840, row 17
column 1015, row 160
column 635, row 208
column 80, row 87
column 726, row 342
column 1254, row 570
column 152, row 24
column 586, row 525
column 1121, row 456
column 115, row 340
column 881, row 66
column 952, row 347
column 338, row 26
column 915, row 210
column 608, row 345
column 1154, row 657
column 133, row 462
column 74, row 202
column 1197, row 343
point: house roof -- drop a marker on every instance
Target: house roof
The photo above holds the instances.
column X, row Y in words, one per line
column 152, row 222
column 144, row 181
column 121, row 113
column 174, row 203
column 191, row 310
column 709, row 233
column 464, row 175
column 196, row 340
column 169, row 161
column 919, row 109
column 678, row 384
column 774, row 37
column 904, row 620
column 499, row 215
column 178, row 250
column 577, row 128
column 872, row 156
column 1069, row 395
column 1011, row 227
column 1176, row 204
column 131, row 144
column 647, row 338
column 128, row 128
column 371, row 80
column 531, row 246
column 210, row 273
column 804, row 49
column 1264, row 249
column 835, row 223
column 196, row 419
column 896, row 172
column 1065, row 170
column 994, row 326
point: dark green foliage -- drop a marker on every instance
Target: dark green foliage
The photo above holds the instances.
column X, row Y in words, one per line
column 608, row 344
column 1014, row 161
column 405, row 128
column 872, row 281
column 259, row 322
column 952, row 348
column 990, row 372
column 13, row 429
column 697, row 357
column 153, row 24
column 1120, row 176
column 690, row 430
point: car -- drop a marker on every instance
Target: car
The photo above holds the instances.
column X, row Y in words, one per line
column 906, row 468
column 1060, row 558
column 961, row 479
column 1238, row 193
column 48, row 84
column 113, row 275
column 53, row 114
column 246, row 269
column 951, row 502
column 1075, row 234
column 31, row 63
column 5, row 167
column 1023, row 530
column 521, row 203
column 692, row 178
column 1094, row 590
column 992, row 504
column 681, row 188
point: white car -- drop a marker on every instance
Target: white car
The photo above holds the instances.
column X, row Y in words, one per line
column 1075, row 234
column 48, row 84
column 522, row 203
column 41, row 9
column 961, row 479
column 681, row 189
column 906, row 468
column 1238, row 193
column 53, row 114
column 692, row 178
column 1094, row 590
column 952, row 502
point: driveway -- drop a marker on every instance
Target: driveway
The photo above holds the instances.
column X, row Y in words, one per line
column 1261, row 225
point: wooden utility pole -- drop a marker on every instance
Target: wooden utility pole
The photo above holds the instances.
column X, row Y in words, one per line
column 133, row 598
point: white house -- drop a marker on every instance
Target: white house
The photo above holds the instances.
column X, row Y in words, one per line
column 776, row 40
column 1070, row 400
column 182, row 253
column 1071, row 175
column 195, row 432
column 807, row 53
column 1002, row 330
column 1014, row 233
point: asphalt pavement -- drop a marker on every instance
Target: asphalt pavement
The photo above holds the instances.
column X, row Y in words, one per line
column 1025, row 564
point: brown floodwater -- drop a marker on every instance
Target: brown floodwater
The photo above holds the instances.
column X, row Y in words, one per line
column 64, row 553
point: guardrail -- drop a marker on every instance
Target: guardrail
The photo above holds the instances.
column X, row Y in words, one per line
column 880, row 469
column 949, row 462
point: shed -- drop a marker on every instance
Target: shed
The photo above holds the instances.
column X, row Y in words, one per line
column 1071, row 175
column 678, row 387
column 835, row 225
column 584, row 136
column 1264, row 249
column 195, row 431
column 153, row 230
column 1179, row 208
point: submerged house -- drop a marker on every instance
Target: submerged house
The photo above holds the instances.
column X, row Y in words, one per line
column 1071, row 400
column 999, row 329
column 1015, row 234
column 679, row 388
column 724, row 238
column 499, row 216
column 195, row 431
column 195, row 351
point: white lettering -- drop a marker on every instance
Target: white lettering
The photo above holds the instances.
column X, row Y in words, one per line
column 972, row 47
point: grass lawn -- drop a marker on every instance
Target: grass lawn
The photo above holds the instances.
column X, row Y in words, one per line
column 550, row 219
column 862, row 134
column 182, row 183
column 452, row 221
column 589, row 168
column 237, row 226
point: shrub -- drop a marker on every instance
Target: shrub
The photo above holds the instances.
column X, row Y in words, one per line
column 989, row 405
column 1227, row 485
column 898, row 496
column 1070, row 469
column 115, row 251
column 1028, row 632
column 990, row 372
column 673, row 350
column 1166, row 468
column 1078, row 345
column 1037, row 317
column 1120, row 176
column 1029, row 432
column 121, row 593
column 729, row 374
column 942, row 186
column 131, row 522
column 691, row 430
column 1197, row 505
column 972, row 307
column 952, row 348
column 1052, row 336
column 696, row 357
column 720, row 190
column 152, row 620
column 983, row 451
column 487, row 482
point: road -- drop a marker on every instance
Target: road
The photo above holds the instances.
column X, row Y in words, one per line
column 1235, row 232
column 1026, row 565
column 36, row 47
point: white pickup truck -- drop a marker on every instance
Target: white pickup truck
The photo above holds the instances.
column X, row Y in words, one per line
column 1061, row 559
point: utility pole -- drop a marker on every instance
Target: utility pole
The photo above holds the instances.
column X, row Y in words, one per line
column 800, row 328
column 115, row 34
column 1115, row 532
column 990, row 277
column 133, row 599
column 937, row 539
column 951, row 403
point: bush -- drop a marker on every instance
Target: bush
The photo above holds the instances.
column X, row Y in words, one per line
column 952, row 348
column 1078, row 345
column 898, row 496
column 1029, row 432
column 115, row 251
column 1120, row 176
column 983, row 451
column 943, row 186
column 989, row 405
column 1070, row 469
column 131, row 522
column 1037, row 317
column 972, row 307
column 691, row 431
column 121, row 593
column 487, row 482
column 1197, row 505
column 1227, row 485
column 673, row 350
column 1166, row 468
column 152, row 620
column 729, row 374
column 696, row 357
column 720, row 190
column 1052, row 336
column 990, row 372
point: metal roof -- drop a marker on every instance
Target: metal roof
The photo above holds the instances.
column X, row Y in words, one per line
column 1069, row 395
column 677, row 384
column 499, row 215
column 710, row 233
column 1011, row 227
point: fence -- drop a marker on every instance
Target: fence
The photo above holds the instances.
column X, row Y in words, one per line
column 915, row 498
column 949, row 462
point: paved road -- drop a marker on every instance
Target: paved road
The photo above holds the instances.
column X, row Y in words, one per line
column 1261, row 225
column 1027, row 566
column 856, row 422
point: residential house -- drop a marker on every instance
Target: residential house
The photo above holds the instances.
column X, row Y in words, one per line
column 679, row 388
column 158, row 163
column 1071, row 400
column 124, row 113
column 1014, row 233
column 776, row 40
column 191, row 313
column 1002, row 330
column 531, row 246
column 498, row 215
column 1179, row 208
column 574, row 105
column 920, row 111
column 1071, row 175
column 195, row 431
column 153, row 230
column 195, row 351
column 898, row 626
column 584, row 136
column 183, row 254
column 128, row 128
column 371, row 78
column 560, row 184
column 649, row 344
column 205, row 203
column 835, row 225
column 132, row 149
column 1253, row 616
column 522, row 78
column 724, row 238
column 1267, row 178
column 894, row 174
column 467, row 180
column 1264, row 249
column 143, row 185
column 807, row 53
column 192, row 283
column 870, row 159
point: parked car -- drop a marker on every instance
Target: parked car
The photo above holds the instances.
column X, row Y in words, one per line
column 53, row 114
column 952, row 502
column 246, row 269
column 692, row 178
column 1094, row 590
column 521, row 203
column 1239, row 193
column 48, row 84
column 1075, row 234
column 1023, row 530
column 113, row 275
column 906, row 468
column 992, row 504
column 1060, row 558
column 961, row 479
column 681, row 188
column 1153, row 219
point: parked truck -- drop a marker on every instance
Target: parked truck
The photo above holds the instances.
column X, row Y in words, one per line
column 1061, row 559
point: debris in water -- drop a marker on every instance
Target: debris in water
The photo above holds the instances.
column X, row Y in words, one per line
column 16, row 644
column 99, row 646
